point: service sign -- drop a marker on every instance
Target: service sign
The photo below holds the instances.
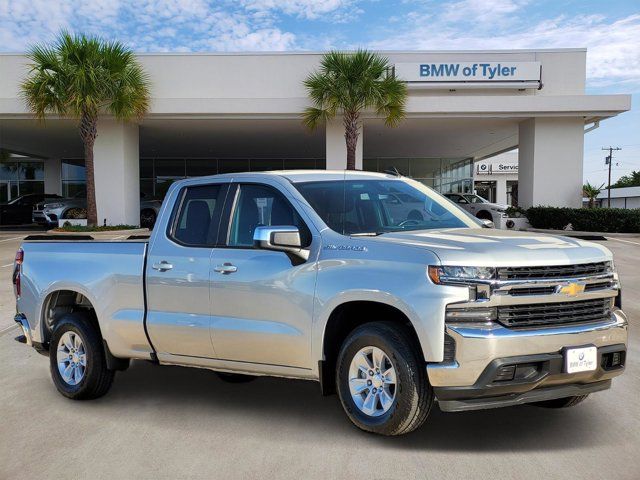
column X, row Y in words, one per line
column 492, row 168
column 469, row 72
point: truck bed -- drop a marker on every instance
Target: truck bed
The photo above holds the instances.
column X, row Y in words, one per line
column 110, row 274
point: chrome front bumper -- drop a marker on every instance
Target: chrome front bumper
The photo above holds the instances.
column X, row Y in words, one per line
column 477, row 346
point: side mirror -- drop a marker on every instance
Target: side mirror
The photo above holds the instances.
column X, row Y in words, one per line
column 487, row 224
column 281, row 239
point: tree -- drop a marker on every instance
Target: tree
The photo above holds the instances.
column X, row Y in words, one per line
column 349, row 83
column 84, row 77
column 630, row 180
column 591, row 192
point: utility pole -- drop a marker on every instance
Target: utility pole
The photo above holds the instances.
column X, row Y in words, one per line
column 608, row 161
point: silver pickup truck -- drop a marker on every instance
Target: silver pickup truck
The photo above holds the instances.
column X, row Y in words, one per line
column 325, row 276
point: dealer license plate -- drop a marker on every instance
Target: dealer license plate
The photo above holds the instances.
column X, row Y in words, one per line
column 583, row 359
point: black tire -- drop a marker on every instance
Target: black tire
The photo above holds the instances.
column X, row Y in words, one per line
column 97, row 378
column 147, row 218
column 562, row 402
column 413, row 393
column 235, row 377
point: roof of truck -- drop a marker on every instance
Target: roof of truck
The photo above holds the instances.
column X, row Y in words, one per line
column 298, row 176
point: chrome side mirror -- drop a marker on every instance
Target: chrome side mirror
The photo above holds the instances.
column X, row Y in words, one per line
column 281, row 239
column 487, row 224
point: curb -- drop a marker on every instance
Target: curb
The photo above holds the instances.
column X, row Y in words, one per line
column 577, row 233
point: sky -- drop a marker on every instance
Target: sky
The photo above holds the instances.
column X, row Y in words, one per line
column 609, row 30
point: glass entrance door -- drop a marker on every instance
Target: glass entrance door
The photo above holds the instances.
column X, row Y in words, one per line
column 5, row 191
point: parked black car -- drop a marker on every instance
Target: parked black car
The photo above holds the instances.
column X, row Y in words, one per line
column 18, row 211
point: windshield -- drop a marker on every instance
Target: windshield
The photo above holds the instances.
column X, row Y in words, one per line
column 475, row 199
column 381, row 206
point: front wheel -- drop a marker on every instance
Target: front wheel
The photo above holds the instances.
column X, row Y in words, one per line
column 77, row 359
column 381, row 381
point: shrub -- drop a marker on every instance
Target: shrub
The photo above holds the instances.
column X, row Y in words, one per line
column 585, row 219
column 553, row 218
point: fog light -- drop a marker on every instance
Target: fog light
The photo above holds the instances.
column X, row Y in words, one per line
column 471, row 314
column 616, row 359
column 505, row 373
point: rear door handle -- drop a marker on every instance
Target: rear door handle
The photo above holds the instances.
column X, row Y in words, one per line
column 163, row 266
column 225, row 268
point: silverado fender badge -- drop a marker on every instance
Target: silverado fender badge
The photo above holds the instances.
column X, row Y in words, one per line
column 353, row 248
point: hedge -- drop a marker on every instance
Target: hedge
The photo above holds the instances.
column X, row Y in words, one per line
column 585, row 219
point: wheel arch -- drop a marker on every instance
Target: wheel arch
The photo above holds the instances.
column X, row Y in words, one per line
column 484, row 215
column 346, row 316
column 59, row 302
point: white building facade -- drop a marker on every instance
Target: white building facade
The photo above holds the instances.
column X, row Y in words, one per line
column 215, row 113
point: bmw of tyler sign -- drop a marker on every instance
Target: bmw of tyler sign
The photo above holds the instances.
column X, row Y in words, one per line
column 468, row 72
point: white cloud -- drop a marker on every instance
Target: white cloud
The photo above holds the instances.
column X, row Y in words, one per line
column 310, row 9
column 481, row 10
column 150, row 25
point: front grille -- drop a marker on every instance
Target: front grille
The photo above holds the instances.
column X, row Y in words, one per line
column 554, row 271
column 554, row 314
column 532, row 291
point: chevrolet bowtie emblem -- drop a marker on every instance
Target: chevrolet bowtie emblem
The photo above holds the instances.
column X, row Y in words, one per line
column 571, row 289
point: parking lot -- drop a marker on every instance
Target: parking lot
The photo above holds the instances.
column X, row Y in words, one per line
column 172, row 422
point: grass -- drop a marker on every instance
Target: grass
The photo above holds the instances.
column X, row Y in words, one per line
column 97, row 228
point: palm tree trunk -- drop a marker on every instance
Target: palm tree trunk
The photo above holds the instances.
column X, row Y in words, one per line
column 88, row 133
column 351, row 137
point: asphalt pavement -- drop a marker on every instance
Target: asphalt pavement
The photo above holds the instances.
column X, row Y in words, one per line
column 172, row 422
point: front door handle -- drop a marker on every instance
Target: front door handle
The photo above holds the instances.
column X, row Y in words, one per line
column 225, row 268
column 163, row 266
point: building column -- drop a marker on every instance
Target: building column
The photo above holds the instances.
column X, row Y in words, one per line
column 550, row 156
column 53, row 176
column 336, row 146
column 117, row 173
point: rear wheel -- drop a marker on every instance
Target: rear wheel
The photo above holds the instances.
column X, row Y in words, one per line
column 77, row 359
column 561, row 402
column 382, row 381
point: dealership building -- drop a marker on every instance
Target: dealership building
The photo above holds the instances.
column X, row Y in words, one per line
column 217, row 113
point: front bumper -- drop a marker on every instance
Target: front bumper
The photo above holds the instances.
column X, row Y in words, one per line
column 42, row 218
column 480, row 351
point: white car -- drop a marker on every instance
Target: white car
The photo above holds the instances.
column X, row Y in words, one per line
column 479, row 207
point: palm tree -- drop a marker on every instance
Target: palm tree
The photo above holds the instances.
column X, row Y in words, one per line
column 83, row 77
column 591, row 192
column 347, row 84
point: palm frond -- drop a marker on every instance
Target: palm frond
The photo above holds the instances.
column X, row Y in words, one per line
column 353, row 82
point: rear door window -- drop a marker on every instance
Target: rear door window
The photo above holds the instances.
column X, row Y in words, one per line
column 197, row 222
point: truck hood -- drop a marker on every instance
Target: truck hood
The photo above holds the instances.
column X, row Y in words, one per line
column 497, row 248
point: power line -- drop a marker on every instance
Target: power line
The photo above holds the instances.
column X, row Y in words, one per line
column 608, row 161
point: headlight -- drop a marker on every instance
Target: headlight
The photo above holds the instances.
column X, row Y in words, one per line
column 446, row 274
column 53, row 205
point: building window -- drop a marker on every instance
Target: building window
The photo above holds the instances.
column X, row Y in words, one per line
column 74, row 178
column 157, row 174
column 445, row 175
column 512, row 192
column 20, row 176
